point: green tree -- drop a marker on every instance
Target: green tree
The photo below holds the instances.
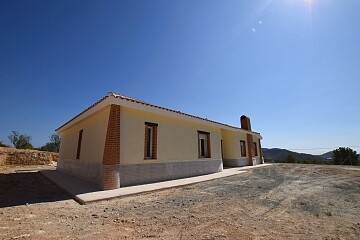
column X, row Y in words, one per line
column 55, row 140
column 2, row 144
column 290, row 159
column 345, row 156
column 53, row 145
column 20, row 141
column 310, row 161
column 48, row 147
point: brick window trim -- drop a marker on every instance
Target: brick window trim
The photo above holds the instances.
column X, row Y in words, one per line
column 208, row 145
column 151, row 124
column 153, row 147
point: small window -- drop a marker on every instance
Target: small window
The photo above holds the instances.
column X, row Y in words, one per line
column 243, row 148
column 222, row 153
column 204, row 144
column 150, row 151
column 79, row 144
column 255, row 149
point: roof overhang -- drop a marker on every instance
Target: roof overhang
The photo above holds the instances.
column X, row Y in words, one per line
column 124, row 101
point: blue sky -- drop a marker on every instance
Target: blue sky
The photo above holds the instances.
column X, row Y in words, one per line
column 292, row 66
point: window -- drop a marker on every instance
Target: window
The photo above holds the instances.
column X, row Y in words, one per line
column 79, row 144
column 222, row 153
column 243, row 148
column 150, row 151
column 255, row 149
column 204, row 144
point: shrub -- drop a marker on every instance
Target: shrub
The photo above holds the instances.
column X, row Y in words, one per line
column 345, row 156
column 20, row 141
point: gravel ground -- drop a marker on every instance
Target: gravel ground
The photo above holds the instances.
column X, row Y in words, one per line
column 282, row 201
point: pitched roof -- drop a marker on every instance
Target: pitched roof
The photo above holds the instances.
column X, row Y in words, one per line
column 123, row 97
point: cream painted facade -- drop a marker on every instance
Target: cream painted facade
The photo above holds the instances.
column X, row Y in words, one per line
column 177, row 139
column 177, row 143
column 93, row 139
column 232, row 151
column 231, row 144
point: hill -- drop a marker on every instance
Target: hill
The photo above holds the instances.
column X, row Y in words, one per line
column 327, row 155
column 278, row 155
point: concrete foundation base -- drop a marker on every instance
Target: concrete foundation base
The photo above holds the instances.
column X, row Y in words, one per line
column 135, row 174
column 239, row 162
column 91, row 172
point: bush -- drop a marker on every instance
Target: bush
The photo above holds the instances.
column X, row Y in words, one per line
column 2, row 144
column 290, row 159
column 20, row 141
column 345, row 156
column 53, row 145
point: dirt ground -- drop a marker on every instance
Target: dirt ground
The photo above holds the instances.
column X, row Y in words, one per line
column 282, row 201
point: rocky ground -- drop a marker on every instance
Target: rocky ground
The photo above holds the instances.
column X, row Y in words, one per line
column 16, row 157
column 281, row 201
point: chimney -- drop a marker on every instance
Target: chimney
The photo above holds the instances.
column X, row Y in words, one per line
column 245, row 122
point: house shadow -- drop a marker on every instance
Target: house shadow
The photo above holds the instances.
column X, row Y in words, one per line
column 28, row 188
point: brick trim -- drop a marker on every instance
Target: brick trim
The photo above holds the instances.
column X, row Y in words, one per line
column 249, row 139
column 111, row 157
column 261, row 154
column 154, row 145
column 151, row 124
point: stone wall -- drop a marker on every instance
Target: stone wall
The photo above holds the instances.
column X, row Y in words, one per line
column 13, row 156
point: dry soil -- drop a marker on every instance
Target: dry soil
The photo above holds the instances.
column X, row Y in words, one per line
column 282, row 201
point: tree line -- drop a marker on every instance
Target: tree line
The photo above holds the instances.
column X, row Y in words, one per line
column 23, row 141
column 340, row 156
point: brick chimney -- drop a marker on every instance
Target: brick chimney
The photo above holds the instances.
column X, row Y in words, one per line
column 245, row 122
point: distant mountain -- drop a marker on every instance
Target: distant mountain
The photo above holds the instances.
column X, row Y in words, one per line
column 278, row 155
column 327, row 155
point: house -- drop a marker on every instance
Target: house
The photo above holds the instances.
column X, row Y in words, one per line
column 122, row 141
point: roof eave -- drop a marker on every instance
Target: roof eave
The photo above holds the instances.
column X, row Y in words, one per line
column 112, row 98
